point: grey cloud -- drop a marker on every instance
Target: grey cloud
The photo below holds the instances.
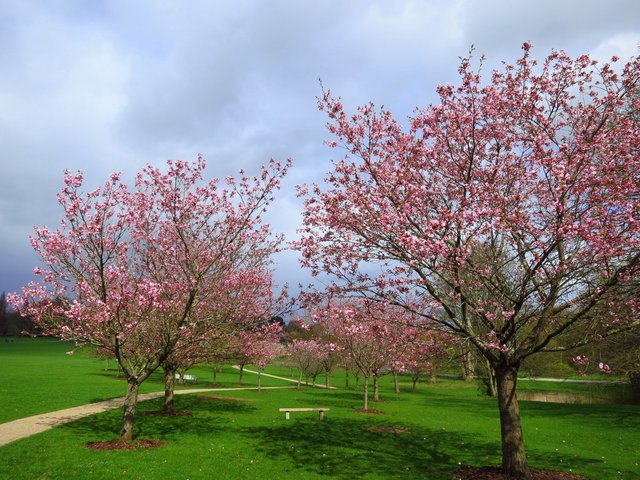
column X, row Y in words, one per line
column 112, row 85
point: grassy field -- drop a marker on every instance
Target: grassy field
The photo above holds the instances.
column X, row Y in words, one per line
column 241, row 434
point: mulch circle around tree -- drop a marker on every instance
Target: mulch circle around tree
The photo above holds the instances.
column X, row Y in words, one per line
column 175, row 413
column 381, row 428
column 372, row 411
column 495, row 473
column 139, row 444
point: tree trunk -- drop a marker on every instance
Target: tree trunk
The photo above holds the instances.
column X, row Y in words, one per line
column 396, row 385
column 492, row 388
column 414, row 380
column 241, row 373
column 376, row 388
column 346, row 379
column 432, row 375
column 169, row 395
column 299, row 380
column 215, row 375
column 129, row 410
column 366, row 393
column 327, row 379
column 259, row 379
column 514, row 459
column 357, row 375
column 468, row 364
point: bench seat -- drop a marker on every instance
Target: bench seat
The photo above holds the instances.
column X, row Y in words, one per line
column 321, row 410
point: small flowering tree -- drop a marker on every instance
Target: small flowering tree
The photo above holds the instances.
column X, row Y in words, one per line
column 509, row 209
column 423, row 352
column 242, row 303
column 139, row 268
column 256, row 346
column 371, row 335
column 308, row 356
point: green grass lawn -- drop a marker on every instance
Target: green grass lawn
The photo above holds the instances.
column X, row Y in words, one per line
column 37, row 376
column 241, row 434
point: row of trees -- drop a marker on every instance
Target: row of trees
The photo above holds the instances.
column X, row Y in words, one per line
column 157, row 275
column 506, row 215
column 370, row 340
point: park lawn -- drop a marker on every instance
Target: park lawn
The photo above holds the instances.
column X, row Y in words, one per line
column 38, row 376
column 241, row 434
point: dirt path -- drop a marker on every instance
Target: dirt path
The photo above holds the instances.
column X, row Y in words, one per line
column 25, row 427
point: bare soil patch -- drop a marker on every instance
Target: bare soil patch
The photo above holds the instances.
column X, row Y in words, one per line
column 396, row 430
column 495, row 473
column 139, row 444
column 371, row 411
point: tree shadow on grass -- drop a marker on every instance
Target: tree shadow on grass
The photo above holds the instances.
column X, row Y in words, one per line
column 208, row 417
column 347, row 448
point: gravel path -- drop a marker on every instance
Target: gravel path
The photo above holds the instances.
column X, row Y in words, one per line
column 25, row 427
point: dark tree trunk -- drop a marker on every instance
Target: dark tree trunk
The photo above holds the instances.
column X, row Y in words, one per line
column 215, row 375
column 169, row 395
column 514, row 459
column 327, row 379
column 129, row 410
column 492, row 388
column 346, row 379
column 414, row 380
column 241, row 373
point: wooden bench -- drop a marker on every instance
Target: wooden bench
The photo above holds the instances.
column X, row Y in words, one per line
column 187, row 378
column 287, row 411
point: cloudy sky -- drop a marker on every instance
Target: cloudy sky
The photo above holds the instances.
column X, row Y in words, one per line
column 105, row 86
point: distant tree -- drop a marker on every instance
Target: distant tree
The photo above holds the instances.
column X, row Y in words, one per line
column 3, row 315
column 372, row 336
column 308, row 356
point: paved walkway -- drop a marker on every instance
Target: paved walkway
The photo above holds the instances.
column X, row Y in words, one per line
column 317, row 385
column 25, row 427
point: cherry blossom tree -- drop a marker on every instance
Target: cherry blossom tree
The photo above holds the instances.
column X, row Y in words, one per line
column 256, row 346
column 371, row 335
column 510, row 209
column 424, row 350
column 242, row 307
column 308, row 356
column 141, row 267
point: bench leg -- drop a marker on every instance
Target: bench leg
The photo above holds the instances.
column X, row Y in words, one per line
column 286, row 415
column 321, row 414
